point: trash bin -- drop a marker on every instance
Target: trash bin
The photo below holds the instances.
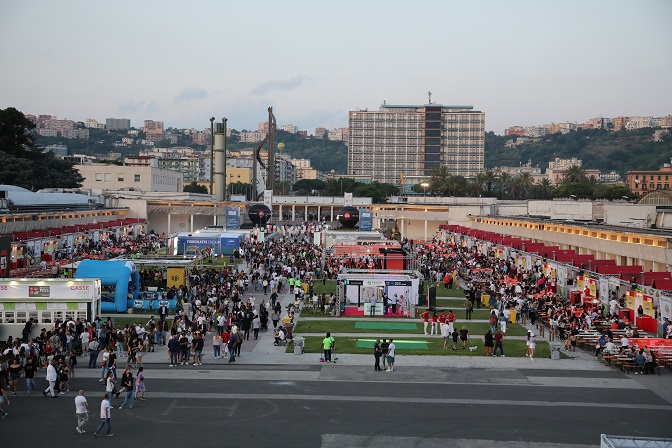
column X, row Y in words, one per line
column 555, row 350
column 298, row 345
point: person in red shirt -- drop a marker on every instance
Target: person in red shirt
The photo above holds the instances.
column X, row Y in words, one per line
column 442, row 318
column 451, row 320
column 435, row 320
column 425, row 320
column 498, row 343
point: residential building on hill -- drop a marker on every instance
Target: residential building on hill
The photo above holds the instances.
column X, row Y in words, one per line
column 117, row 124
column 412, row 140
column 643, row 181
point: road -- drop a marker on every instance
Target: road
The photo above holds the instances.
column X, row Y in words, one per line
column 341, row 406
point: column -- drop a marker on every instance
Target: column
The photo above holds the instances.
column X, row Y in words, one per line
column 425, row 230
column 306, row 214
column 319, row 213
column 168, row 231
column 191, row 222
column 280, row 218
column 332, row 214
column 402, row 230
column 293, row 212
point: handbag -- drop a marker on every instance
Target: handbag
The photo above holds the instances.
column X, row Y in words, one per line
column 104, row 363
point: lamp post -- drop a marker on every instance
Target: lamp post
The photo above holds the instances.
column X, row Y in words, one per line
column 212, row 152
column 424, row 186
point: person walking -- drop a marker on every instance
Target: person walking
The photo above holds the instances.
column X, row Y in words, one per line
column 93, row 352
column 232, row 345
column 127, row 385
column 377, row 352
column 216, row 345
column 464, row 335
column 3, row 399
column 105, row 417
column 81, row 411
column 499, row 336
column 531, row 345
column 488, row 343
column 51, row 377
column 390, row 356
column 29, row 371
column 372, row 302
column 140, row 385
column 469, row 308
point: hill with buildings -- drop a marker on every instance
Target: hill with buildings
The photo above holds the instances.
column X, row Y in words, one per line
column 600, row 149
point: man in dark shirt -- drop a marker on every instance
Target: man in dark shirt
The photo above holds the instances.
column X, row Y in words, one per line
column 112, row 364
column 197, row 344
column 184, row 349
column 173, row 349
column 377, row 352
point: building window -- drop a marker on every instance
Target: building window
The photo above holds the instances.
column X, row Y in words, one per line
column 99, row 177
column 137, row 178
column 120, row 177
column 108, row 177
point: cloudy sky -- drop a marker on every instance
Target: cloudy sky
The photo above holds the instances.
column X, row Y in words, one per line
column 521, row 62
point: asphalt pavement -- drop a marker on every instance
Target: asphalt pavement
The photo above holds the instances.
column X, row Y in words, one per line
column 269, row 397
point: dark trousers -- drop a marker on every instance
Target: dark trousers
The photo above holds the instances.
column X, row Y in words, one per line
column 500, row 347
column 377, row 365
column 469, row 313
column 256, row 333
column 327, row 355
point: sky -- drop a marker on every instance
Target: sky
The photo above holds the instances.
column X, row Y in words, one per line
column 520, row 62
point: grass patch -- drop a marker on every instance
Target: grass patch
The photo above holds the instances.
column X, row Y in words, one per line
column 515, row 348
column 349, row 326
column 327, row 288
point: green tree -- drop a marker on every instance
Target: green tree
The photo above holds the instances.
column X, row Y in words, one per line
column 309, row 185
column 23, row 164
column 195, row 188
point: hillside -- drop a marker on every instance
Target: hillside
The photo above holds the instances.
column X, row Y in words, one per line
column 599, row 149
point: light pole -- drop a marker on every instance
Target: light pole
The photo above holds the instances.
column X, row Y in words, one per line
column 212, row 152
column 424, row 186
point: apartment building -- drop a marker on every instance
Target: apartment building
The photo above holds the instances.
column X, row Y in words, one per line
column 408, row 140
column 643, row 181
column 99, row 177
column 117, row 124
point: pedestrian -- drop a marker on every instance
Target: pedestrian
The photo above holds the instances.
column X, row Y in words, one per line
column 377, row 352
column 488, row 343
column 93, row 352
column 372, row 302
column 499, row 336
column 384, row 349
column 327, row 345
column 531, row 345
column 425, row 321
column 51, row 377
column 140, row 384
column 216, row 345
column 256, row 324
column 232, row 345
column 29, row 371
column 173, row 350
column 464, row 334
column 469, row 308
column 127, row 385
column 434, row 328
column 105, row 417
column 4, row 399
column 390, row 356
column 81, row 411
column 445, row 332
column 197, row 344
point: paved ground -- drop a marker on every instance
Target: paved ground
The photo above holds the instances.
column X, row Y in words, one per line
column 270, row 398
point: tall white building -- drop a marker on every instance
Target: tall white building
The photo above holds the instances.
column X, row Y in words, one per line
column 411, row 141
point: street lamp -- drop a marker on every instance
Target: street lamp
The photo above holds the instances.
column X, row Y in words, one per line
column 424, row 186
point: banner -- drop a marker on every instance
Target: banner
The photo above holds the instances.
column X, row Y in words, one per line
column 347, row 199
column 647, row 305
column 604, row 290
column 665, row 306
column 54, row 290
column 268, row 199
column 232, row 218
column 175, row 277
column 365, row 220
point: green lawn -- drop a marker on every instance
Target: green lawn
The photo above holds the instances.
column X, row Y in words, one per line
column 313, row 344
column 348, row 326
column 329, row 287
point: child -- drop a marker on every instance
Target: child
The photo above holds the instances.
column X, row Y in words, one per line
column 455, row 335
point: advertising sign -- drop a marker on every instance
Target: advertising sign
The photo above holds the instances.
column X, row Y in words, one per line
column 5, row 255
column 347, row 199
column 365, row 220
column 232, row 218
column 268, row 199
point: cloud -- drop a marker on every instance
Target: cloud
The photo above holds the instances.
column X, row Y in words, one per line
column 129, row 107
column 287, row 84
column 190, row 94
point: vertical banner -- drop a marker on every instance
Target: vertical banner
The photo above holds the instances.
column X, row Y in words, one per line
column 5, row 254
column 268, row 199
column 665, row 304
column 175, row 277
column 232, row 218
column 604, row 290
column 347, row 199
column 365, row 220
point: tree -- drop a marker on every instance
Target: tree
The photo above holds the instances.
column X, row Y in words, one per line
column 574, row 174
column 195, row 188
column 24, row 165
column 309, row 185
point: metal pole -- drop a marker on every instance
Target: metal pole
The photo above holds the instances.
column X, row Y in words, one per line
column 212, row 152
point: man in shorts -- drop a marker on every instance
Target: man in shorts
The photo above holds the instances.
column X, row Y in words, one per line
column 197, row 344
column 390, row 356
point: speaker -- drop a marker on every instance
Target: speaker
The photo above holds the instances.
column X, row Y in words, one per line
column 431, row 298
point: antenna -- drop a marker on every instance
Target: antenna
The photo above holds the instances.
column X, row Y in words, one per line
column 429, row 95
